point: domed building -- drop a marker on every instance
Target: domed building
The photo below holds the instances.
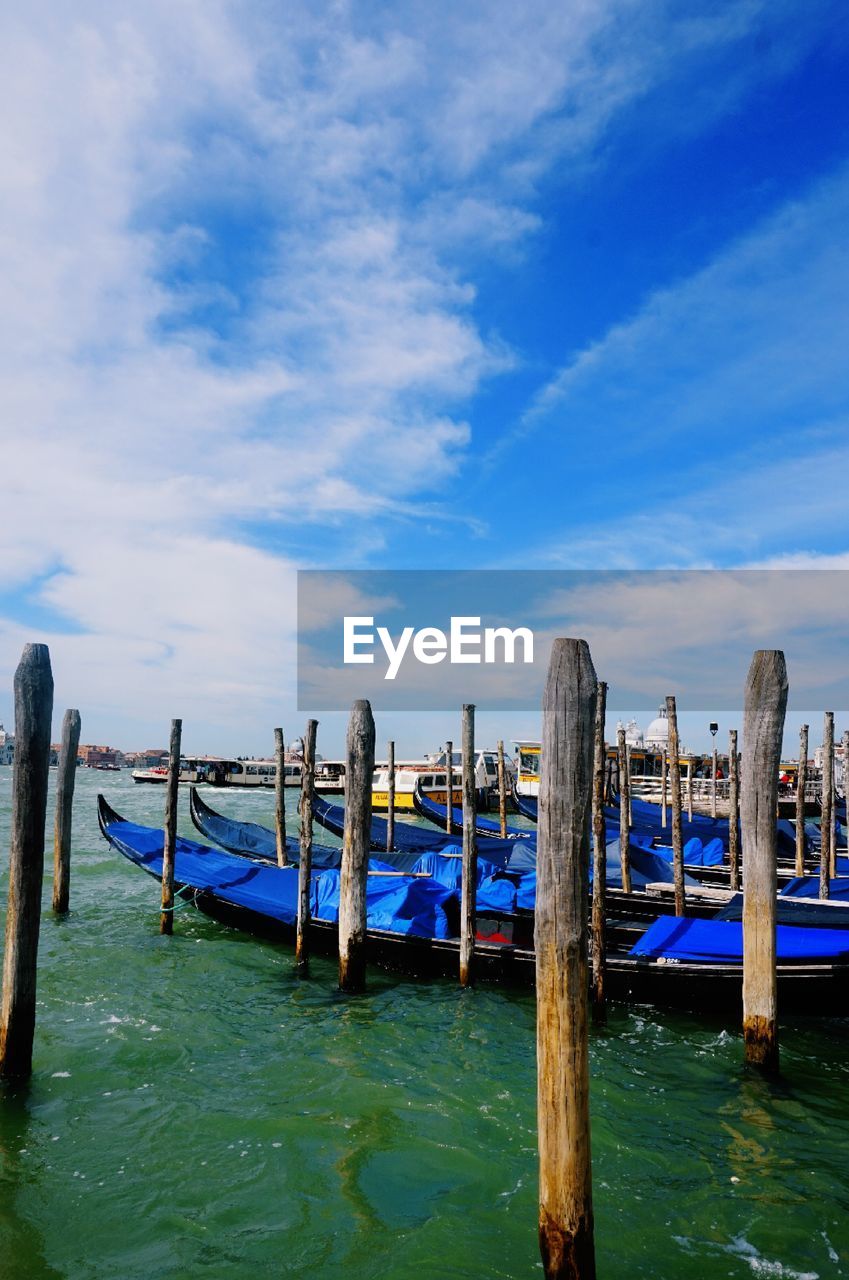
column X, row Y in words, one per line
column 657, row 734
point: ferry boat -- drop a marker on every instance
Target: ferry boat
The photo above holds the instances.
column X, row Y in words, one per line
column 432, row 775
column 216, row 771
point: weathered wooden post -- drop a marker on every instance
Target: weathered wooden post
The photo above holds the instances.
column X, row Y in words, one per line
column 449, row 785
column 169, row 834
column 599, row 939
column 66, row 776
column 302, row 946
column 624, row 806
column 356, row 841
column 733, row 810
column 675, row 771
column 713, row 769
column 628, row 772
column 827, row 821
column 33, row 714
column 690, row 788
column 280, row 798
column 560, row 939
column 763, row 728
column 502, row 791
column 390, row 796
column 664, row 764
column 845, row 786
column 469, row 882
column 801, row 786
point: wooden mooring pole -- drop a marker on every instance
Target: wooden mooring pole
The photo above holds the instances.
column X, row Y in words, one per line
column 733, row 810
column 664, row 766
column 845, row 787
column 469, row 882
column 390, row 796
column 763, row 728
column 356, row 842
column 280, row 798
column 690, row 788
column 801, row 786
column 827, row 820
column 33, row 714
column 66, row 777
column 449, row 785
column 599, row 938
column 169, row 842
column 502, row 791
column 675, row 782
column 302, row 945
column 624, row 809
column 560, row 938
column 713, row 769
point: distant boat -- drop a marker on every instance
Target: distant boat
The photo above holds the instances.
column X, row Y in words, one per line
column 218, row 771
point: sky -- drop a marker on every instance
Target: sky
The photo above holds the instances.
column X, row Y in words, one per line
column 430, row 286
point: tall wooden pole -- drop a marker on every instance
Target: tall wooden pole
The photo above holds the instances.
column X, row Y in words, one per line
column 356, row 842
column 690, row 788
column 827, row 821
column 449, row 785
column 763, row 728
column 33, row 713
column 280, row 798
column 624, row 805
column 169, row 842
column 801, row 785
column 302, row 946
column 390, row 796
column 845, row 784
column 599, row 940
column 664, row 758
column 66, row 776
column 502, row 791
column 733, row 810
column 560, row 938
column 713, row 783
column 628, row 775
column 675, row 780
column 469, row 882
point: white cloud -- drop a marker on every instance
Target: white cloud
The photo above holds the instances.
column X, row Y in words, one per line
column 228, row 239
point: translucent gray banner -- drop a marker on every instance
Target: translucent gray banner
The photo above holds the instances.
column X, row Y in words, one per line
column 429, row 640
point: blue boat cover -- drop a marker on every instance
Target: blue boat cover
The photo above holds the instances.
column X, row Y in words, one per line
column 809, row 886
column 438, row 814
column 405, row 905
column 721, row 942
column 408, row 838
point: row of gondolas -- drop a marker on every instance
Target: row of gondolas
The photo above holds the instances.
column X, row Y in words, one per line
column 413, row 900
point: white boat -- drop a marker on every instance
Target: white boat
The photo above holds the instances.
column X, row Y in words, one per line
column 217, row 771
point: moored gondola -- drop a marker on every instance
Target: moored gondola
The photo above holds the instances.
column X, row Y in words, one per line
column 416, row 933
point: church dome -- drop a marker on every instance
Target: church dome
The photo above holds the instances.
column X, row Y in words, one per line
column 657, row 734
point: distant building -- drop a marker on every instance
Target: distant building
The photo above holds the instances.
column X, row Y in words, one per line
column 94, row 755
column 7, row 746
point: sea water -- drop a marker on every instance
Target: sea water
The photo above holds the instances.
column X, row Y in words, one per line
column 196, row 1110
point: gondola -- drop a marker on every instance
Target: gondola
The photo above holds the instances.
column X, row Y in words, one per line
column 413, row 839
column 674, row 961
column 437, row 814
column 251, row 840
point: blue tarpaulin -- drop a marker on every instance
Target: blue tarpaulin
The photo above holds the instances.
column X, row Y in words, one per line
column 721, row 941
column 399, row 904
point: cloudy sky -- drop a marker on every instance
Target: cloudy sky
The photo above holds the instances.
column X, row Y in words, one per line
column 363, row 285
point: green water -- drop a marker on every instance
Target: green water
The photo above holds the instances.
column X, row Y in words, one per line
column 196, row 1111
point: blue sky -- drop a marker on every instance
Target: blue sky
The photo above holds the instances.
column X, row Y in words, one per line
column 361, row 285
